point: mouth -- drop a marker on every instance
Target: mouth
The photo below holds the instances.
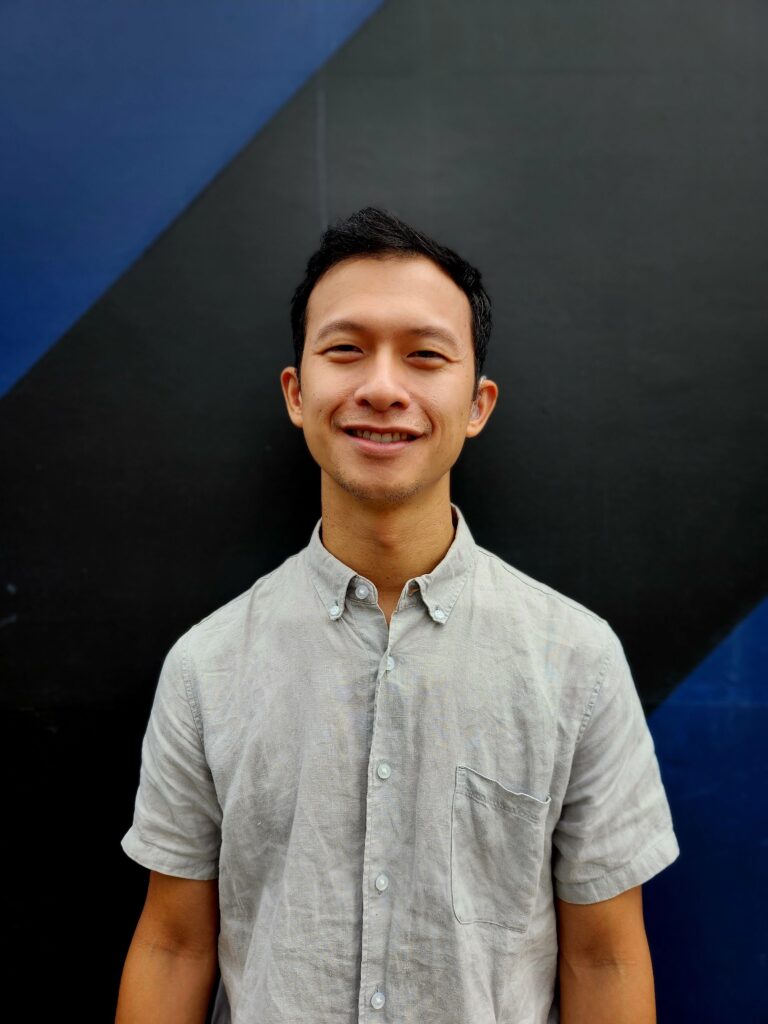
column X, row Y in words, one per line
column 391, row 437
column 380, row 444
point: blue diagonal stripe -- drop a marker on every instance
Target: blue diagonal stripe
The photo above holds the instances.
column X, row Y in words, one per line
column 707, row 912
column 113, row 116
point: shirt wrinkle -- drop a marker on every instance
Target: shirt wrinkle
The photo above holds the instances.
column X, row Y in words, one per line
column 391, row 808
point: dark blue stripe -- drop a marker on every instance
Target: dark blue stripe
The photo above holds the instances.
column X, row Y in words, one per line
column 706, row 913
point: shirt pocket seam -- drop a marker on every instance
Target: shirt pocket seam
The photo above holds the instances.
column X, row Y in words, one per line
column 506, row 808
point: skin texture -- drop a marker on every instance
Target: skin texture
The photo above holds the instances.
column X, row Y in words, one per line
column 389, row 517
column 171, row 964
column 604, row 964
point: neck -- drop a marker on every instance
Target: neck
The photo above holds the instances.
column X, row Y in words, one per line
column 387, row 544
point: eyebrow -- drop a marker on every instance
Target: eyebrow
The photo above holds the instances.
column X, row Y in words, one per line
column 353, row 327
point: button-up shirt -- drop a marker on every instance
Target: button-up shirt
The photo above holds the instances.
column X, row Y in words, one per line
column 390, row 810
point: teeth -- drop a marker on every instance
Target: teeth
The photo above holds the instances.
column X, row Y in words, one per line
column 371, row 435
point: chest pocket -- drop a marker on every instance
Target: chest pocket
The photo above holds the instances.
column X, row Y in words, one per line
column 497, row 848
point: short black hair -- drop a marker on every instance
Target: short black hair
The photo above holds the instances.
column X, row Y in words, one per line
column 379, row 233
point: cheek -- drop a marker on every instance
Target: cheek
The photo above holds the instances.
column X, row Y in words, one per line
column 324, row 399
column 453, row 418
column 321, row 411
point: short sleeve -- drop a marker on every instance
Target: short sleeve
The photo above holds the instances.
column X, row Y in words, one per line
column 615, row 828
column 177, row 817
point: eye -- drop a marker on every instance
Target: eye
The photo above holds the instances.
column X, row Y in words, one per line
column 424, row 353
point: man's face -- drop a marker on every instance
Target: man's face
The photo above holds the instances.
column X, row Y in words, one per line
column 388, row 348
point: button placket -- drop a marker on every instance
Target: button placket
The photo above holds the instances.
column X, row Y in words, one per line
column 377, row 907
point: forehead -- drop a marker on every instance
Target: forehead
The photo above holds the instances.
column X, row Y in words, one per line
column 390, row 294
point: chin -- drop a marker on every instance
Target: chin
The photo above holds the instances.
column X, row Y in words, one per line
column 378, row 494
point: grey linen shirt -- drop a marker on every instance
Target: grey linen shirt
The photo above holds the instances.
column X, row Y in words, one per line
column 391, row 810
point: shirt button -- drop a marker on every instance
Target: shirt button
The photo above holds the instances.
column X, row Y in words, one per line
column 439, row 614
column 390, row 664
column 334, row 609
column 384, row 770
column 377, row 1000
column 362, row 591
column 382, row 882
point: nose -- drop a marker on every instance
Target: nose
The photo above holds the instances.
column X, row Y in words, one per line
column 382, row 384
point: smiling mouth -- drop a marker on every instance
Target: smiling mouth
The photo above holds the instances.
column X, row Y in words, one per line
column 385, row 438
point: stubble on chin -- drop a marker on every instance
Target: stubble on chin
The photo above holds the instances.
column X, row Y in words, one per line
column 382, row 495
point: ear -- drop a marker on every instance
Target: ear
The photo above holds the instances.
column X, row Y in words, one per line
column 289, row 381
column 482, row 406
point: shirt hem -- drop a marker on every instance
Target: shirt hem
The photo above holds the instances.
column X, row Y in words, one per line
column 156, row 860
column 649, row 863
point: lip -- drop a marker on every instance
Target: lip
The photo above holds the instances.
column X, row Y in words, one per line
column 381, row 448
column 381, row 430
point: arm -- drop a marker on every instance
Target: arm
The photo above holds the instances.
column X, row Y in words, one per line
column 604, row 963
column 171, row 964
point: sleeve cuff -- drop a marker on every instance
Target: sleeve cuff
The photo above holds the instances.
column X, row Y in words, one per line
column 648, row 863
column 155, row 859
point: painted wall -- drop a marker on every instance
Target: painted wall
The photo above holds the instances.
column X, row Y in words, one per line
column 166, row 173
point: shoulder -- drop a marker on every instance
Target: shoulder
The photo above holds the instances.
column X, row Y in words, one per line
column 234, row 627
column 558, row 644
column 539, row 608
column 559, row 639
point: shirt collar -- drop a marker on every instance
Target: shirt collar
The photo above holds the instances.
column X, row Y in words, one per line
column 336, row 583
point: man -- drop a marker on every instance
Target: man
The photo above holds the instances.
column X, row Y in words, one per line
column 396, row 779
